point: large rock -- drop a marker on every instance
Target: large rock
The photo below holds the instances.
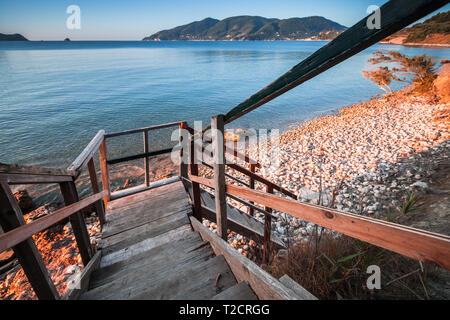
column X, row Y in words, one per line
column 26, row 203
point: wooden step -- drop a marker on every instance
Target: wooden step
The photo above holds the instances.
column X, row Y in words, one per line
column 145, row 245
column 151, row 271
column 173, row 251
column 136, row 217
column 150, row 230
column 196, row 281
column 301, row 292
column 240, row 291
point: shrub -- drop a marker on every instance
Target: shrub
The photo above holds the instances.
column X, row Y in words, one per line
column 418, row 70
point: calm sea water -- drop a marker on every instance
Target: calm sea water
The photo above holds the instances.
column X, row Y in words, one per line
column 54, row 96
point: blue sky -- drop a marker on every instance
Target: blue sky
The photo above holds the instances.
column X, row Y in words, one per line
column 134, row 19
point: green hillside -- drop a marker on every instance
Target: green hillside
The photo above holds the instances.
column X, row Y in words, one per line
column 252, row 28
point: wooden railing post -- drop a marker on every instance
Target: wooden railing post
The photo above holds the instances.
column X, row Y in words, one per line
column 195, row 186
column 218, row 140
column 183, row 164
column 146, row 163
column 95, row 189
column 251, row 185
column 26, row 252
column 267, row 229
column 104, row 167
column 70, row 195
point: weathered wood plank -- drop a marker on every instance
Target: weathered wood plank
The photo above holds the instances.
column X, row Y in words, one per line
column 133, row 283
column 240, row 291
column 26, row 251
column 141, row 218
column 145, row 245
column 140, row 233
column 141, row 188
column 33, row 170
column 204, row 283
column 81, row 284
column 159, row 254
column 157, row 260
column 171, row 190
column 27, row 178
column 298, row 289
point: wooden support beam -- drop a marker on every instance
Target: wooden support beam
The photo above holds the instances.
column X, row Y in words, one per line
column 195, row 186
column 146, row 162
column 140, row 156
column 251, row 185
column 95, row 189
column 26, row 251
column 262, row 180
column 70, row 195
column 217, row 129
column 158, row 126
column 104, row 167
column 183, row 164
column 267, row 229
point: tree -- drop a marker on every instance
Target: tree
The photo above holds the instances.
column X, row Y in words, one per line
column 417, row 70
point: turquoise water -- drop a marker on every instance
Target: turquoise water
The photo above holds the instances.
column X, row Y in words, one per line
column 54, row 96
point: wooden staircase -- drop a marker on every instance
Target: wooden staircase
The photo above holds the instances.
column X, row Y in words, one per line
column 149, row 251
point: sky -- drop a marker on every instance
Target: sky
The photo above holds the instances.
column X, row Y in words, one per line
column 135, row 19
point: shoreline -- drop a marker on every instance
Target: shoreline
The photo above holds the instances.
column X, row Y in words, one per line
column 413, row 44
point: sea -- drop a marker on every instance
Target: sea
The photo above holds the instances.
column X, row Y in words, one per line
column 55, row 96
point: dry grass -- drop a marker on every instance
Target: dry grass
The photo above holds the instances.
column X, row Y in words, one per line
column 334, row 267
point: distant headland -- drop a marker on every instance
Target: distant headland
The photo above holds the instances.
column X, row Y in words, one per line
column 253, row 28
column 12, row 37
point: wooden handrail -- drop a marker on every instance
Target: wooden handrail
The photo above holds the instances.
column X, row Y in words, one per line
column 415, row 243
column 83, row 158
column 159, row 126
column 17, row 169
column 262, row 180
column 24, row 232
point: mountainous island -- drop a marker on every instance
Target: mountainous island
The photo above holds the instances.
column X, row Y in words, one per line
column 433, row 31
column 12, row 37
column 253, row 28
